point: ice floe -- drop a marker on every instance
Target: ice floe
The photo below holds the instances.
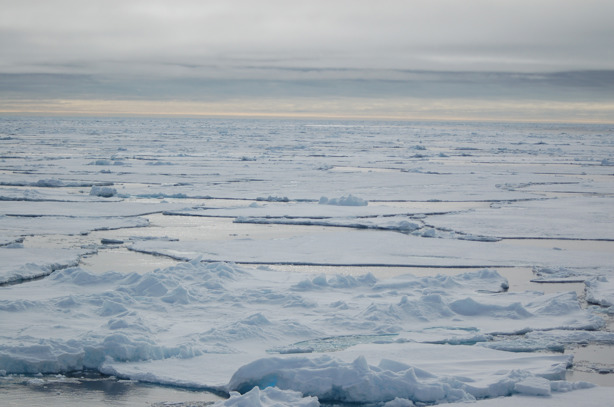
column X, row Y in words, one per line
column 20, row 263
column 586, row 217
column 46, row 225
column 373, row 247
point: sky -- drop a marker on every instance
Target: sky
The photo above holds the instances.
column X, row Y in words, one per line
column 528, row 60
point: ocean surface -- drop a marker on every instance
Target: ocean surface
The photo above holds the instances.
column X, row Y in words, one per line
column 153, row 261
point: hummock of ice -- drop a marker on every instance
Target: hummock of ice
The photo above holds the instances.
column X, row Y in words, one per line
column 102, row 191
column 600, row 290
column 357, row 381
column 207, row 313
column 270, row 396
column 349, row 200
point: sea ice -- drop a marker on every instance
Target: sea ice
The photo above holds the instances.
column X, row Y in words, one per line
column 593, row 397
column 349, row 200
column 600, row 290
column 585, row 217
column 97, row 209
column 199, row 312
column 20, row 263
column 553, row 340
column 66, row 225
column 102, row 191
column 270, row 396
column 431, row 195
column 373, row 247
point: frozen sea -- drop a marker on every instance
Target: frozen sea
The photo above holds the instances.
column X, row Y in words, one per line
column 271, row 262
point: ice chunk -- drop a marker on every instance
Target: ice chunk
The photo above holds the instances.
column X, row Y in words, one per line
column 331, row 379
column 50, row 183
column 397, row 402
column 357, row 381
column 268, row 397
column 470, row 307
column 600, row 290
column 534, row 386
column 349, row 200
column 102, row 191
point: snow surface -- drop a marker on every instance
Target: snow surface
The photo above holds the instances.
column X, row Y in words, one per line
column 217, row 193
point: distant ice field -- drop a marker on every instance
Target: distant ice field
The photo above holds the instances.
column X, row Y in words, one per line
column 305, row 263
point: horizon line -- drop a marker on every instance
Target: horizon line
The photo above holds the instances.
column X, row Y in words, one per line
column 405, row 109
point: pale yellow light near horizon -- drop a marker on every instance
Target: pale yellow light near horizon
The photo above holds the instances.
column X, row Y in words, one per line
column 334, row 108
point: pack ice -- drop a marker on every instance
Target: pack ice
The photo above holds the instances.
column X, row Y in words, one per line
column 354, row 339
column 295, row 245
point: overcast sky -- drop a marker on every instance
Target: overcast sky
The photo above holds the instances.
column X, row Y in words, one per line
column 345, row 57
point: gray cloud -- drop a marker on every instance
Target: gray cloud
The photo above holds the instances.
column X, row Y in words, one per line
column 297, row 83
column 207, row 50
column 421, row 34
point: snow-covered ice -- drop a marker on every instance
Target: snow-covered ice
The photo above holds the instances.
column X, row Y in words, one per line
column 373, row 248
column 199, row 313
column 584, row 217
column 234, row 201
column 600, row 290
column 19, row 263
